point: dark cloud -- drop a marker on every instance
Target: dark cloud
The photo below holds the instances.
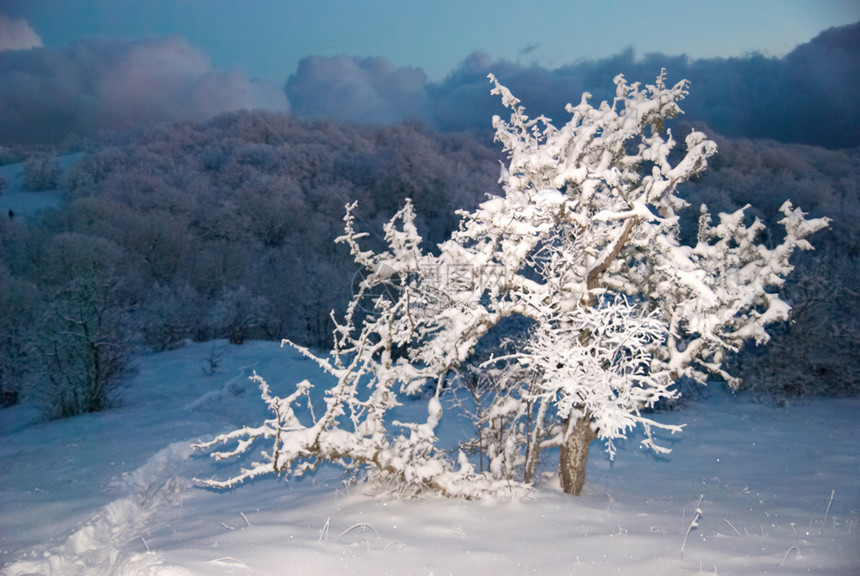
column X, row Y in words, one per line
column 47, row 94
column 820, row 90
column 806, row 97
column 363, row 90
column 17, row 34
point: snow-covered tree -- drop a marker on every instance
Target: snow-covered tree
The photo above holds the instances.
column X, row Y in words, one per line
column 41, row 172
column 584, row 244
column 84, row 334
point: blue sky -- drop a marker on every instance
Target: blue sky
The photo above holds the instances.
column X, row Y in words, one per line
column 267, row 38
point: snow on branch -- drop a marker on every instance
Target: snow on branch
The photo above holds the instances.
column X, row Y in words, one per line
column 583, row 244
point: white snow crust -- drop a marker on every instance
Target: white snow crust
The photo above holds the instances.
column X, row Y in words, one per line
column 111, row 493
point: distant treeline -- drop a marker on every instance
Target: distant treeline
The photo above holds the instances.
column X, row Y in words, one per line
column 225, row 229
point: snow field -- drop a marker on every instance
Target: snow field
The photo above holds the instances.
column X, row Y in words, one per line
column 111, row 493
column 25, row 203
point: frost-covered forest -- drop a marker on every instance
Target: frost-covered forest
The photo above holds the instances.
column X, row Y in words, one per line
column 210, row 230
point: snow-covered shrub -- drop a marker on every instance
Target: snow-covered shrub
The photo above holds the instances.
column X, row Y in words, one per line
column 585, row 243
column 18, row 302
column 85, row 334
column 83, row 346
column 41, row 172
column 169, row 316
column 238, row 315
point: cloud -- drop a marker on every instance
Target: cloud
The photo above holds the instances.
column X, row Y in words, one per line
column 463, row 100
column 821, row 84
column 363, row 90
column 46, row 94
column 17, row 34
column 806, row 97
column 91, row 85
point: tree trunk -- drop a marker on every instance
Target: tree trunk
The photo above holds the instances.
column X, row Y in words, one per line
column 574, row 455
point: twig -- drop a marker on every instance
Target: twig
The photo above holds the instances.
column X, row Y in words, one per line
column 827, row 512
column 324, row 531
column 145, row 545
column 363, row 525
column 693, row 524
column 732, row 527
column 245, row 518
column 787, row 552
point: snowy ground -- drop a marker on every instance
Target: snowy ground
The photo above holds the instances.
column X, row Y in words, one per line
column 111, row 493
column 24, row 203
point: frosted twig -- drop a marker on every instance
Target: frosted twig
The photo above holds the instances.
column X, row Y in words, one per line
column 145, row 545
column 732, row 527
column 827, row 512
column 245, row 518
column 324, row 531
column 694, row 523
column 362, row 525
column 787, row 552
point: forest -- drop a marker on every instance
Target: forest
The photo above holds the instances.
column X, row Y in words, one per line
column 225, row 229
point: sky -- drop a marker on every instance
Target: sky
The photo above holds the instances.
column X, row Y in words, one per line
column 266, row 39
